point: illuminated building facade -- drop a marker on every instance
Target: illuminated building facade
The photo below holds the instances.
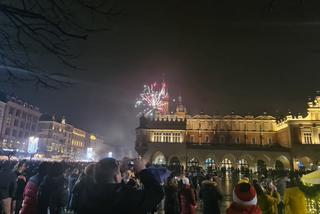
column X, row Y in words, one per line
column 63, row 140
column 54, row 136
column 18, row 121
column 231, row 141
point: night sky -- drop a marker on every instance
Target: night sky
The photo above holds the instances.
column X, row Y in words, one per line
column 221, row 56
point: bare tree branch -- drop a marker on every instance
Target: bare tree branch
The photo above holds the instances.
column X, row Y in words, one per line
column 49, row 25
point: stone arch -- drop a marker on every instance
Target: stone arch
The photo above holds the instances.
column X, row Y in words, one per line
column 266, row 159
column 282, row 162
column 193, row 164
column 174, row 165
column 158, row 158
column 228, row 161
column 230, row 157
column 246, row 158
column 210, row 164
column 305, row 162
column 174, row 160
column 261, row 166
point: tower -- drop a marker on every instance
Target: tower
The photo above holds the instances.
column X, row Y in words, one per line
column 165, row 108
column 181, row 110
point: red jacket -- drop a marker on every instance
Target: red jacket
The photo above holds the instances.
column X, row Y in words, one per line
column 240, row 209
column 30, row 202
column 187, row 200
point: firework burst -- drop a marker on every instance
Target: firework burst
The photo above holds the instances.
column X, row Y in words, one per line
column 152, row 99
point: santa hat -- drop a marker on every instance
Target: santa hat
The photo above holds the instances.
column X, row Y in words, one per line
column 245, row 194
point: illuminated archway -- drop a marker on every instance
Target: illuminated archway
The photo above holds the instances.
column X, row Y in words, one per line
column 226, row 163
column 158, row 159
column 193, row 164
column 282, row 163
column 209, row 165
column 243, row 164
column 261, row 166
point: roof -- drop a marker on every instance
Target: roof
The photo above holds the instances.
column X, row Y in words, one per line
column 3, row 97
column 176, row 124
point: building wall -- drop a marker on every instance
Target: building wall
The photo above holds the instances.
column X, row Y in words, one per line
column 20, row 121
column 293, row 141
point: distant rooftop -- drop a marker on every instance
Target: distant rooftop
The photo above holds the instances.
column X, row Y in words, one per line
column 6, row 98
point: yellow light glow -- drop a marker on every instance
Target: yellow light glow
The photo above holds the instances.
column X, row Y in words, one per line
column 92, row 137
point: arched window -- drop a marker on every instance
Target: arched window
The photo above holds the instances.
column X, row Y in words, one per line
column 226, row 163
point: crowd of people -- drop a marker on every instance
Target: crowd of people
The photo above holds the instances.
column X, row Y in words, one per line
column 128, row 186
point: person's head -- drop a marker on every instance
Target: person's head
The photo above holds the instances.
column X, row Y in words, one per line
column 244, row 194
column 89, row 170
column 21, row 166
column 43, row 168
column 107, row 171
column 56, row 169
column 185, row 181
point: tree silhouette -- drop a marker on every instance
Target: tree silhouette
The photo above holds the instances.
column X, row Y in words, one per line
column 33, row 26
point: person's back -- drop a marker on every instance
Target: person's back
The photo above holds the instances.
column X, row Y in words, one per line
column 108, row 195
column 52, row 191
column 30, row 199
column 171, row 204
column 7, row 189
column 211, row 196
column 295, row 201
column 187, row 198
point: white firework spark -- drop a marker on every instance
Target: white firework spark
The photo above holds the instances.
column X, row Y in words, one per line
column 152, row 99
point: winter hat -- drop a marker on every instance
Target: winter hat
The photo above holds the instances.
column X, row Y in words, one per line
column 245, row 194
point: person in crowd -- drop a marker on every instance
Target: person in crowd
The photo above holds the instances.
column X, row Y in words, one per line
column 244, row 200
column 294, row 199
column 52, row 193
column 108, row 195
column 72, row 178
column 21, row 172
column 211, row 196
column 30, row 202
column 171, row 203
column 7, row 188
column 80, row 190
column 268, row 199
column 187, row 198
column 281, row 186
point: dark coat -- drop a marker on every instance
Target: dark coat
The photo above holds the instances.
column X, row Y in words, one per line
column 7, row 184
column 210, row 195
column 123, row 199
column 171, row 203
column 52, row 194
column 187, row 200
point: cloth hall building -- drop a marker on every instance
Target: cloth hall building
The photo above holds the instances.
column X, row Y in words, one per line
column 231, row 141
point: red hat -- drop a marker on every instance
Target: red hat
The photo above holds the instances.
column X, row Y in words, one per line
column 245, row 194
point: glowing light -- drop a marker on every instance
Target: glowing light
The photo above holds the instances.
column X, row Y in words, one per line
column 92, row 137
column 90, row 153
column 33, row 145
column 152, row 99
column 110, row 154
